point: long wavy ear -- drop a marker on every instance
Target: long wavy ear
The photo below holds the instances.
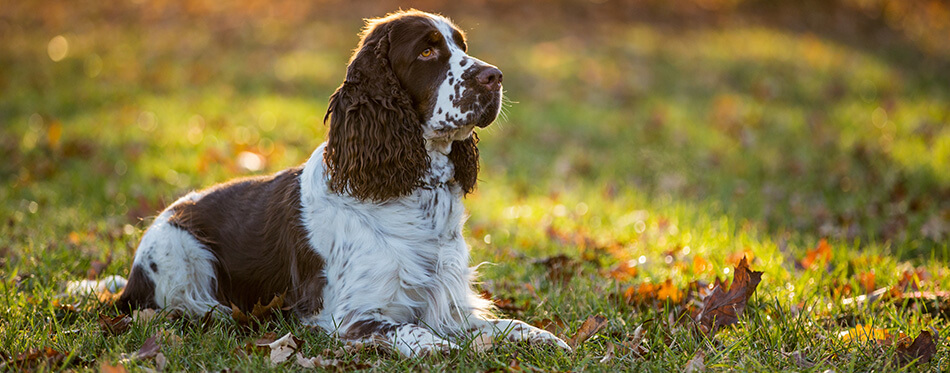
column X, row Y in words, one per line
column 464, row 156
column 375, row 149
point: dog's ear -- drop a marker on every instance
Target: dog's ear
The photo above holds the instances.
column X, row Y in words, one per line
column 375, row 149
column 464, row 156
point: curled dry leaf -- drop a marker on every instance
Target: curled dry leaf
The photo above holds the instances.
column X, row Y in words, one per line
column 723, row 308
column 259, row 313
column 115, row 325
column 281, row 349
column 150, row 348
column 696, row 364
column 590, row 327
column 635, row 342
column 609, row 354
column 922, row 349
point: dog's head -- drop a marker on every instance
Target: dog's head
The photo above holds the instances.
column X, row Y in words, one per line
column 410, row 88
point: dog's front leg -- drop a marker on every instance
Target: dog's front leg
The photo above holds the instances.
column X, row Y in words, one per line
column 514, row 331
column 408, row 339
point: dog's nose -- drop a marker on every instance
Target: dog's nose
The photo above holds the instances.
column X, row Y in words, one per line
column 490, row 77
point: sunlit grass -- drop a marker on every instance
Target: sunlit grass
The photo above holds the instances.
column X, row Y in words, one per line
column 675, row 151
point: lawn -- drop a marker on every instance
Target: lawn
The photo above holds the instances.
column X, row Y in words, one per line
column 642, row 154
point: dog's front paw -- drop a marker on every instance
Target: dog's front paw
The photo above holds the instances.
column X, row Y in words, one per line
column 546, row 337
column 413, row 341
column 519, row 331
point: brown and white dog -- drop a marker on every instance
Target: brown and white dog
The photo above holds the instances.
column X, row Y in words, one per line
column 365, row 239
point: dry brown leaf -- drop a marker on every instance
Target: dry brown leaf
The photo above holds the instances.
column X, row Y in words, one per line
column 281, row 349
column 259, row 313
column 696, row 364
column 561, row 268
column 635, row 342
column 32, row 359
column 922, row 349
column 115, row 325
column 723, row 308
column 609, row 354
column 160, row 362
column 555, row 326
column 590, row 327
column 150, row 348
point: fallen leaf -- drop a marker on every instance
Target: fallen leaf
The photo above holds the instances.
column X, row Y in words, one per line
column 696, row 364
column 143, row 315
column 314, row 362
column 160, row 362
column 865, row 334
column 150, row 348
column 115, row 325
column 922, row 349
column 822, row 252
column 259, row 313
column 281, row 349
column 635, row 342
column 555, row 326
column 668, row 291
column 625, row 271
column 799, row 360
column 723, row 308
column 588, row 329
column 866, row 280
column 109, row 368
column 609, row 354
column 561, row 268
column 483, row 342
column 35, row 358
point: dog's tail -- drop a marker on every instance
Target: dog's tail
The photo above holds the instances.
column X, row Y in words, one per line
column 135, row 293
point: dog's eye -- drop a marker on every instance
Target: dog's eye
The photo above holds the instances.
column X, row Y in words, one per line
column 426, row 53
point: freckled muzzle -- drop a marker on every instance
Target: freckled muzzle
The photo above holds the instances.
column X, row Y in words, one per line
column 485, row 81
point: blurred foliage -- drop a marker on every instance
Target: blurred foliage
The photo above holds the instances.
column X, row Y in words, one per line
column 663, row 139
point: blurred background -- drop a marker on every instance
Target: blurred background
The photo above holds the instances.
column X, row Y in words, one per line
column 793, row 120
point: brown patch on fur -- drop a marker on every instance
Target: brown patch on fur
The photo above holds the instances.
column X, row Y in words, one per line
column 254, row 228
column 464, row 156
column 138, row 293
column 375, row 149
column 369, row 328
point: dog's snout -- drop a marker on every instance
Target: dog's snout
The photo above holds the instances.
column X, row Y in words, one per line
column 490, row 77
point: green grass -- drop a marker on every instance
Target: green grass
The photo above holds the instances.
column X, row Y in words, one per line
column 625, row 141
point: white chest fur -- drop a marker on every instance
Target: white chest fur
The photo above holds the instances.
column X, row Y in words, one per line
column 403, row 259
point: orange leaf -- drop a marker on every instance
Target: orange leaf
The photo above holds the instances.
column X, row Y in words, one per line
column 668, row 291
column 820, row 253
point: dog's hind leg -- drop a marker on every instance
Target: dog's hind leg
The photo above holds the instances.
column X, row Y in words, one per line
column 171, row 270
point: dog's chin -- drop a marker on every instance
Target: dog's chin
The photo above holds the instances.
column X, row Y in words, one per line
column 488, row 112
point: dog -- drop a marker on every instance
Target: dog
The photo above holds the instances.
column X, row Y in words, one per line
column 365, row 239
